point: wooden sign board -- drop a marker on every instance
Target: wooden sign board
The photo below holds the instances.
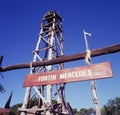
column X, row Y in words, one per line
column 82, row 73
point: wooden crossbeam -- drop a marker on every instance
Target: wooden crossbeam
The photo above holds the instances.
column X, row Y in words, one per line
column 62, row 59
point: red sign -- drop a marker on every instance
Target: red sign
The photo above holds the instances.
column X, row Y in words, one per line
column 82, row 73
column 3, row 111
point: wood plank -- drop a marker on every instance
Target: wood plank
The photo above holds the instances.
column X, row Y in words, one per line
column 82, row 73
column 62, row 59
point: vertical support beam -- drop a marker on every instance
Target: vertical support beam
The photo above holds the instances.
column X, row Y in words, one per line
column 95, row 99
column 50, row 56
column 28, row 89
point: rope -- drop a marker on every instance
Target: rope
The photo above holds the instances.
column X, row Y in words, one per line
column 88, row 57
column 31, row 67
column 88, row 52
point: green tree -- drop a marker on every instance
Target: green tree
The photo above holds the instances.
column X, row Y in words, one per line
column 85, row 111
column 2, row 89
column 117, row 104
column 112, row 107
column 33, row 102
column 75, row 112
column 14, row 109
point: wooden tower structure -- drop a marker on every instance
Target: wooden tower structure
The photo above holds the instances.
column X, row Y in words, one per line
column 51, row 98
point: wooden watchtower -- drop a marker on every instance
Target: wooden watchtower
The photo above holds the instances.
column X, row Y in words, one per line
column 51, row 98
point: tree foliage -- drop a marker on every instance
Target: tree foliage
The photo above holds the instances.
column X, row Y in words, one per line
column 85, row 111
column 112, row 107
column 2, row 89
column 14, row 109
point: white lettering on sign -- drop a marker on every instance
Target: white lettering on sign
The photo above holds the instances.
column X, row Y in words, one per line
column 75, row 74
column 47, row 78
column 67, row 75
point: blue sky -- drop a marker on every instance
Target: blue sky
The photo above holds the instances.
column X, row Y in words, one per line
column 19, row 29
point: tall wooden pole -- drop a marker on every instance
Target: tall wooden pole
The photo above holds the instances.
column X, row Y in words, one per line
column 93, row 86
